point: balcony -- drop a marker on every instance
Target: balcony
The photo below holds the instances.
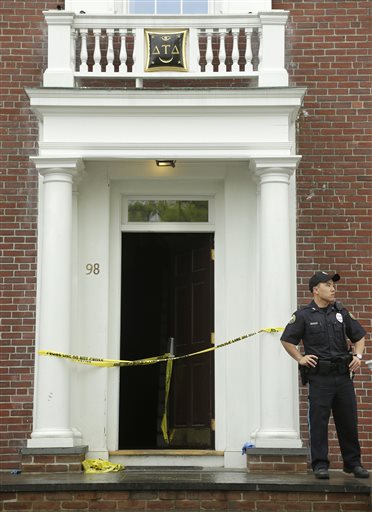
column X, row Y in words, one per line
column 127, row 47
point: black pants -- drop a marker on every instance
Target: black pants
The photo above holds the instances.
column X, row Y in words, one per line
column 334, row 393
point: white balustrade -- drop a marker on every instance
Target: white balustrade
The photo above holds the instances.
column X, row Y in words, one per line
column 216, row 47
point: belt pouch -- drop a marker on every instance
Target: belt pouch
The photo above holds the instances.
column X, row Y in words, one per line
column 343, row 367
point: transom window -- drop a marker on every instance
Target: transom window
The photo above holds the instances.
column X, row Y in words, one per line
column 168, row 210
column 168, row 6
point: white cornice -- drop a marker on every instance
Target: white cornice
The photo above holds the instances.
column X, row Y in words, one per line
column 117, row 124
column 261, row 152
column 69, row 101
column 117, row 96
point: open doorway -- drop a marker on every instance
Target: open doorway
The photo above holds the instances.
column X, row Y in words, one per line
column 167, row 294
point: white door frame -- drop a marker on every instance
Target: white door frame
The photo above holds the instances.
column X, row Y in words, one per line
column 120, row 190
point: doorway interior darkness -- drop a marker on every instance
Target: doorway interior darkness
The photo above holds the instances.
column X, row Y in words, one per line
column 167, row 292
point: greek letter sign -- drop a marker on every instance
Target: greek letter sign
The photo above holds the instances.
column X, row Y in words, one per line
column 166, row 50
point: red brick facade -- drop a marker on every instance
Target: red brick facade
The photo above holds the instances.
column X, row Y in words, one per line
column 329, row 52
column 184, row 500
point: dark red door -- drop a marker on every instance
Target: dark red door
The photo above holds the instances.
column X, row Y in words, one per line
column 192, row 397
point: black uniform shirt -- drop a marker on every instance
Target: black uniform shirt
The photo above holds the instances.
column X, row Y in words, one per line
column 323, row 331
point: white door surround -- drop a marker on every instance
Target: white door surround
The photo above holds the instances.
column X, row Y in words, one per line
column 248, row 171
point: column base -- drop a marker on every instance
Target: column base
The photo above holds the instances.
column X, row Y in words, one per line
column 55, row 439
column 276, row 439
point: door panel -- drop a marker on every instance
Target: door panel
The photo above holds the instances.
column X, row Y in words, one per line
column 192, row 400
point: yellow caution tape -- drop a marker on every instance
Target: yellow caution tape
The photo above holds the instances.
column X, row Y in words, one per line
column 100, row 466
column 109, row 363
column 164, row 421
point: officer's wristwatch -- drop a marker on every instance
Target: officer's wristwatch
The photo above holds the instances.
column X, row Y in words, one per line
column 359, row 356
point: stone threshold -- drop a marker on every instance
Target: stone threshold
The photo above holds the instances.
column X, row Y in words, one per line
column 169, row 453
column 183, row 479
column 168, row 457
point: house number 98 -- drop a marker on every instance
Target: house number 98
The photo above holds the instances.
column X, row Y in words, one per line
column 92, row 268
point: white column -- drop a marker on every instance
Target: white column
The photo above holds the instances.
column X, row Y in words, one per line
column 52, row 382
column 279, row 414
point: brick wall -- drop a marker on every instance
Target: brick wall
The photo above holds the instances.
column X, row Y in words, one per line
column 23, row 48
column 328, row 53
column 185, row 500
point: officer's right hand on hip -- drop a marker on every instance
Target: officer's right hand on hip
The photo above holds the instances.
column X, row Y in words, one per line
column 309, row 360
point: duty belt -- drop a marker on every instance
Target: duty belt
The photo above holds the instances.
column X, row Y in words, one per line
column 328, row 366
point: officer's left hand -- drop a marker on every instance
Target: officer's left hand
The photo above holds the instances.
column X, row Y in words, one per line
column 355, row 364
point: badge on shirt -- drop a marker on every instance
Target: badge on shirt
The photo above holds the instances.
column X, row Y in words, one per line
column 292, row 319
column 339, row 317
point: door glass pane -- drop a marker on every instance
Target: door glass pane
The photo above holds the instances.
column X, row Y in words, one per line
column 167, row 211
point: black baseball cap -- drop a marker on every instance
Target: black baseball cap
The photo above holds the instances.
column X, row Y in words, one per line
column 322, row 277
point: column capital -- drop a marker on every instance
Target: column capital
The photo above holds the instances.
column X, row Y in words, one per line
column 274, row 169
column 54, row 167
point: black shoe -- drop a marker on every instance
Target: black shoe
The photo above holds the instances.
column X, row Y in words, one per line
column 358, row 471
column 321, row 473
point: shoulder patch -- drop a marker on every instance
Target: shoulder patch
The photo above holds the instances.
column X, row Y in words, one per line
column 292, row 319
column 352, row 316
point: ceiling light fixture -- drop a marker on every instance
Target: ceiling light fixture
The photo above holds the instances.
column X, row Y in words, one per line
column 166, row 163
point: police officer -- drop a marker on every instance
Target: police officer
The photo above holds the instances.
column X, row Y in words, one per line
column 324, row 327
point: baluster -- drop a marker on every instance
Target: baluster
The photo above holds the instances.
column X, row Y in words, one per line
column 260, row 48
column 97, row 51
column 134, row 52
column 209, row 53
column 123, row 51
column 235, row 50
column 73, row 50
column 194, row 53
column 138, row 54
column 248, row 50
column 222, row 52
column 199, row 38
column 110, row 51
column 84, row 51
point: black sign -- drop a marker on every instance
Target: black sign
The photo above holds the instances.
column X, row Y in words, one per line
column 166, row 50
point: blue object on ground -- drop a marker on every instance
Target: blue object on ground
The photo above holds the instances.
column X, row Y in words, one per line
column 246, row 446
